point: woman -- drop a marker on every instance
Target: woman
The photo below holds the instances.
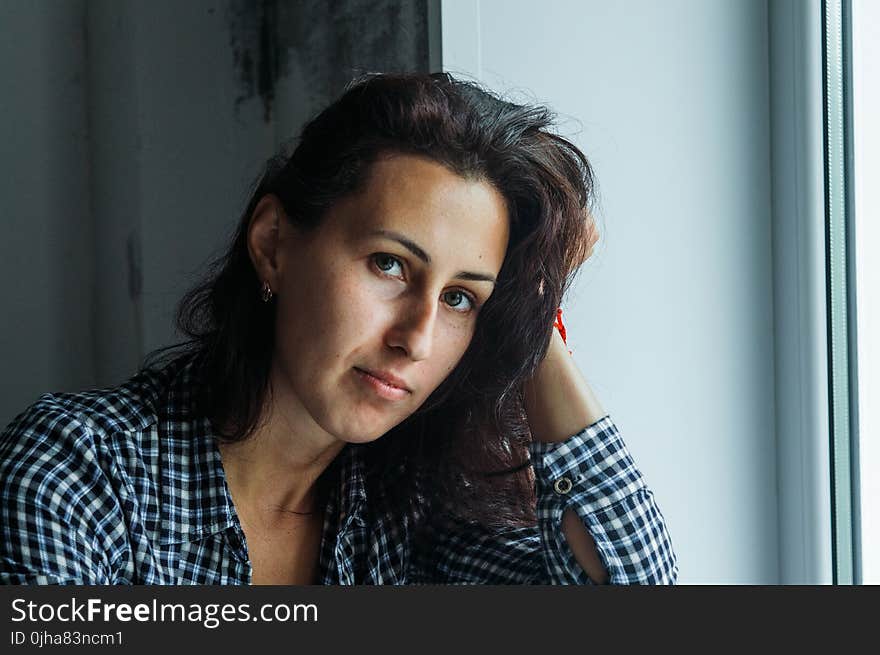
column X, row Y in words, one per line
column 372, row 391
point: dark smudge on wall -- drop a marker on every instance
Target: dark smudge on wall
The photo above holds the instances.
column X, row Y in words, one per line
column 253, row 38
column 328, row 42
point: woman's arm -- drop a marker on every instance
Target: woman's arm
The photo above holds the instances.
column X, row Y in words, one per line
column 597, row 520
column 559, row 403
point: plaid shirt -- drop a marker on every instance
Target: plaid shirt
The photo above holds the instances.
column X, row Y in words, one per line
column 126, row 486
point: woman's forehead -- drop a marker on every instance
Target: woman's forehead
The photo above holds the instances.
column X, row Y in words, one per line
column 432, row 206
column 410, row 186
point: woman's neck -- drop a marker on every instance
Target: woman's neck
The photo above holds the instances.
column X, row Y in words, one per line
column 273, row 473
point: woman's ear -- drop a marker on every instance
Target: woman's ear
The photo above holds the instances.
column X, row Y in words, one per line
column 264, row 239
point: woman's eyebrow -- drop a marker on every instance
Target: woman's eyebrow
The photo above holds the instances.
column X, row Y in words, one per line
column 419, row 252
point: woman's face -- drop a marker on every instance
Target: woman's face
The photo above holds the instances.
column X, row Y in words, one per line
column 377, row 305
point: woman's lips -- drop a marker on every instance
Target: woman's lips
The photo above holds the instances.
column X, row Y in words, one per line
column 382, row 388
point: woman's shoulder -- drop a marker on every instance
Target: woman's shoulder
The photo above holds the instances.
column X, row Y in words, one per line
column 49, row 457
column 72, row 429
column 78, row 470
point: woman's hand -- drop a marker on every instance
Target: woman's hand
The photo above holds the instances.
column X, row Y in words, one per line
column 592, row 236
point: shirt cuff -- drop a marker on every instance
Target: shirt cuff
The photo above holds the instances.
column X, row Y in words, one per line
column 593, row 473
column 591, row 469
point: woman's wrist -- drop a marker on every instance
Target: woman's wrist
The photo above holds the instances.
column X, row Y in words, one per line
column 558, row 400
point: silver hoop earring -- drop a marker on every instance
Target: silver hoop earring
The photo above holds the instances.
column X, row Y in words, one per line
column 266, row 292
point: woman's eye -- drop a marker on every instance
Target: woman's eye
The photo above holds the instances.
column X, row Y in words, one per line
column 459, row 301
column 387, row 264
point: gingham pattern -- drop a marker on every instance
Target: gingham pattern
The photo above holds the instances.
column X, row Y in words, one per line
column 126, row 486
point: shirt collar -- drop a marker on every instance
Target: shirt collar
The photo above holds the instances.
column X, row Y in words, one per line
column 195, row 499
column 351, row 486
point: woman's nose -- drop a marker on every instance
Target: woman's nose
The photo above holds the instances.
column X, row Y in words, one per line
column 413, row 329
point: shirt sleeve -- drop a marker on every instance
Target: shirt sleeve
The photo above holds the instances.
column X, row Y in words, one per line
column 591, row 472
column 594, row 474
column 55, row 510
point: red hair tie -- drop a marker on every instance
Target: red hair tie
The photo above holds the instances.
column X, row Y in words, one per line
column 559, row 325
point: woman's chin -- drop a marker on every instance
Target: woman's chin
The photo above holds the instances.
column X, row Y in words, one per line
column 363, row 432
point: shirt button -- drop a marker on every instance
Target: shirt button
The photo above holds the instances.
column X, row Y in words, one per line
column 562, row 486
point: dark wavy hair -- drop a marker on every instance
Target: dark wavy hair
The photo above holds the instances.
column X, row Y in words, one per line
column 464, row 452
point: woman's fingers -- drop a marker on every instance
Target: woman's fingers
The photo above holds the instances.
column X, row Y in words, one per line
column 592, row 236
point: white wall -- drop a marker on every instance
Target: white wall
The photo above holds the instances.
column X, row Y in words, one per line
column 672, row 320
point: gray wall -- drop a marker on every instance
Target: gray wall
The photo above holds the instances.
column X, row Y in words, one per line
column 132, row 133
column 46, row 265
column 672, row 321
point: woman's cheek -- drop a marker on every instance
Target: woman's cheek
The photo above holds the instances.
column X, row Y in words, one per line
column 366, row 303
column 459, row 330
column 383, row 288
column 456, row 339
